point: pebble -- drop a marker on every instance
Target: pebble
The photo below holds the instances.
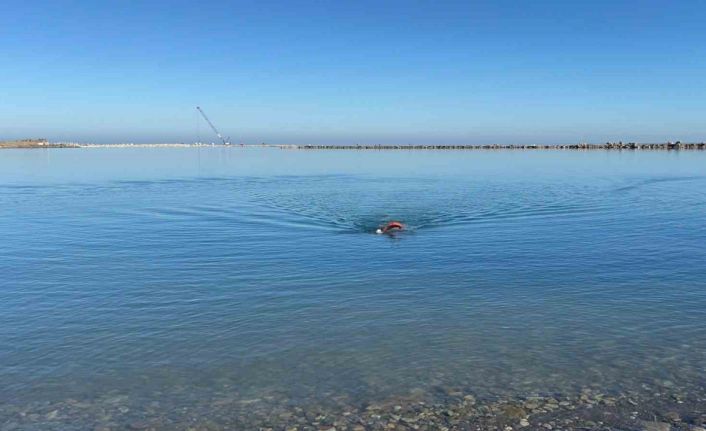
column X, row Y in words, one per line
column 513, row 411
column 673, row 416
column 656, row 426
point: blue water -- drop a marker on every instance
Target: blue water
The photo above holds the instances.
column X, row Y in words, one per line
column 173, row 274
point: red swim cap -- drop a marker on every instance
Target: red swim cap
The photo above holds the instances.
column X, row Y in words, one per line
column 393, row 225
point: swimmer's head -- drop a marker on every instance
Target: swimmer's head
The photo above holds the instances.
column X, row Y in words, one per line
column 379, row 231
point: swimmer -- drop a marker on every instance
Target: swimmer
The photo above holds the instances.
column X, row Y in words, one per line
column 390, row 227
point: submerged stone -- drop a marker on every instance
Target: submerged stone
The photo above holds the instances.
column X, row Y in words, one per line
column 656, row 426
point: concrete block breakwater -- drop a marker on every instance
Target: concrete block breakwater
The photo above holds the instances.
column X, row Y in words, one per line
column 606, row 146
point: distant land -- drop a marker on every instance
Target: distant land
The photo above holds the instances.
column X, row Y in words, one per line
column 35, row 143
column 678, row 145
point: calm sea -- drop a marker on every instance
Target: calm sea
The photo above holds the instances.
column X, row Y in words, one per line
column 172, row 276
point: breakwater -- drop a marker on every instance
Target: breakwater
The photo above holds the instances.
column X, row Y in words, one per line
column 667, row 146
column 157, row 145
column 583, row 146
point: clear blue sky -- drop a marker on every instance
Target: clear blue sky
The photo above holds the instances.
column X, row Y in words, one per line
column 354, row 71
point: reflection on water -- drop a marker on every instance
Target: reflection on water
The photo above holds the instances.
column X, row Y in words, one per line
column 237, row 278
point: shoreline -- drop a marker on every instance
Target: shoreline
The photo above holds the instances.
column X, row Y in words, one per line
column 658, row 409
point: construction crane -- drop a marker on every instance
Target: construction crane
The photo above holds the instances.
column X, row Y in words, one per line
column 225, row 142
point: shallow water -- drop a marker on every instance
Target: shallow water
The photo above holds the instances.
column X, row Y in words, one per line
column 182, row 274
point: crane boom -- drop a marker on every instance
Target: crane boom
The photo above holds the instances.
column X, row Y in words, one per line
column 203, row 114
